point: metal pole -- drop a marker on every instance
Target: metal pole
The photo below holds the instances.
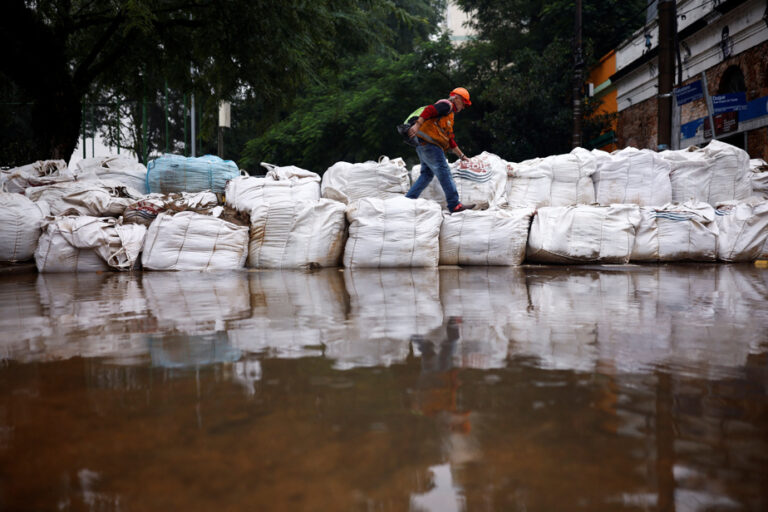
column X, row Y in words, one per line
column 93, row 134
column 192, row 126
column 185, row 126
column 221, row 142
column 708, row 99
column 578, row 65
column 145, row 146
column 666, row 72
column 118, row 127
column 166, row 116
column 83, row 116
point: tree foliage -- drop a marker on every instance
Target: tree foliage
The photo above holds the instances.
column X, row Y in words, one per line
column 60, row 51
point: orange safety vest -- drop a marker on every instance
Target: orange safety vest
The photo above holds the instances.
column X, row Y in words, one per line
column 438, row 130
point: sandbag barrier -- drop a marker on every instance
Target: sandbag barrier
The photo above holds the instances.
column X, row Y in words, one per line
column 547, row 210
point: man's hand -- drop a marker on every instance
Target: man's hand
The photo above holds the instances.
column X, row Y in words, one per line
column 413, row 129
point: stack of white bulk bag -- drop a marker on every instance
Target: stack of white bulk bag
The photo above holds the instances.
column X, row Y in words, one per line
column 348, row 182
column 743, row 230
column 191, row 241
column 481, row 180
column 20, row 222
column 34, row 174
column 396, row 232
column 297, row 234
column 690, row 174
column 176, row 173
column 388, row 309
column 676, row 232
column 488, row 237
column 759, row 178
column 147, row 209
column 86, row 244
column 638, row 176
column 578, row 234
column 280, row 185
column 92, row 198
column 730, row 173
column 121, row 169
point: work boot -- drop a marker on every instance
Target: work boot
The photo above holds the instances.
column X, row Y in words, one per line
column 461, row 207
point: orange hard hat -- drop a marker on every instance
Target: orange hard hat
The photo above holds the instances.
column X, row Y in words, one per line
column 460, row 91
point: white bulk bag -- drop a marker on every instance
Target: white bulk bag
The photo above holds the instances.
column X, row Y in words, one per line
column 581, row 234
column 147, row 209
column 280, row 185
column 730, row 173
column 91, row 198
column 296, row 234
column 19, row 178
column 191, row 241
column 20, row 222
column 396, row 232
column 488, row 237
column 690, row 174
column 631, row 175
column 743, row 230
column 759, row 178
column 676, row 232
column 481, row 180
column 121, row 169
column 348, row 182
column 82, row 244
column 529, row 183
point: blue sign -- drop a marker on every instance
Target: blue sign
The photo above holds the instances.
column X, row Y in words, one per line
column 755, row 108
column 688, row 130
column 689, row 93
column 729, row 102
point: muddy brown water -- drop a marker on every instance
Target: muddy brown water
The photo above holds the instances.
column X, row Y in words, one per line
column 524, row 389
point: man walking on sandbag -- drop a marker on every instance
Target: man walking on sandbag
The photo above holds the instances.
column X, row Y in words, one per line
column 432, row 134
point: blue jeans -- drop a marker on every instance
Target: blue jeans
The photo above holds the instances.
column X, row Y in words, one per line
column 434, row 163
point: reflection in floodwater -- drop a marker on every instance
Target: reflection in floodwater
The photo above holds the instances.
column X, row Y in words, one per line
column 533, row 388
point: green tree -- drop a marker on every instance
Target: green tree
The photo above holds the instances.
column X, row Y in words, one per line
column 60, row 51
column 521, row 66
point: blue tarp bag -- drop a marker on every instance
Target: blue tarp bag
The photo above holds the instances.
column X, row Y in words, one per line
column 176, row 173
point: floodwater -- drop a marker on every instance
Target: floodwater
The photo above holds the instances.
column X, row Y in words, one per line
column 515, row 389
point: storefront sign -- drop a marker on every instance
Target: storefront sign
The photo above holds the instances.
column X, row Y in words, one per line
column 689, row 93
column 732, row 102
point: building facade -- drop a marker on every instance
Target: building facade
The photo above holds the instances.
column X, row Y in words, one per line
column 722, row 52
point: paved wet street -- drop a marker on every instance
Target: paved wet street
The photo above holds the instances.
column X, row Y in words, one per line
column 523, row 389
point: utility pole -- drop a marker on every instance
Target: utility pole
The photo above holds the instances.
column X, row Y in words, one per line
column 667, row 13
column 578, row 66
column 192, row 123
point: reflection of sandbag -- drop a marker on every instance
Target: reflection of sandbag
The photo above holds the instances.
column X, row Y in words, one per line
column 204, row 303
column 631, row 175
column 82, row 244
column 348, row 182
column 569, row 234
column 396, row 232
column 121, row 169
column 20, row 222
column 488, row 237
column 481, row 180
column 743, row 230
column 293, row 313
column 387, row 308
column 296, row 234
column 91, row 198
column 280, row 185
column 176, row 173
column 191, row 241
column 676, row 232
column 35, row 174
